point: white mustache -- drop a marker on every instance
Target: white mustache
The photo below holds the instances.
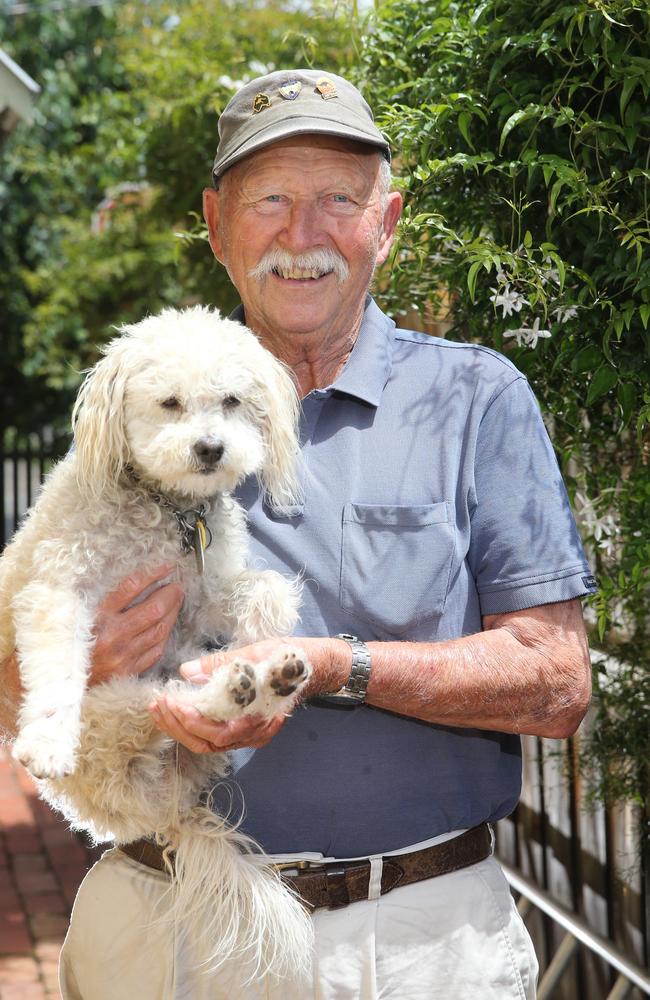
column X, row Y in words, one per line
column 316, row 262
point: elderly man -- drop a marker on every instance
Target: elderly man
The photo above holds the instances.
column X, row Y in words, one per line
column 441, row 608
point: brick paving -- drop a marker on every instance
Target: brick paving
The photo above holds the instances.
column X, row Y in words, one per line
column 41, row 866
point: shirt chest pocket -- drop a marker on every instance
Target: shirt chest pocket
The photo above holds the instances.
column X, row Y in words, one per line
column 396, row 563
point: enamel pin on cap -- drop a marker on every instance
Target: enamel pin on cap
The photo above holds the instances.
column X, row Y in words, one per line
column 290, row 102
column 290, row 90
column 326, row 88
column 261, row 102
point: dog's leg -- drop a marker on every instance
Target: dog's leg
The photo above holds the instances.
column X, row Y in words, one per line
column 261, row 604
column 130, row 779
column 54, row 638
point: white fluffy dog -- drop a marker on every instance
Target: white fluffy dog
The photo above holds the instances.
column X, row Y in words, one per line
column 181, row 408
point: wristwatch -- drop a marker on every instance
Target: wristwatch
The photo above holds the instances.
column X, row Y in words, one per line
column 354, row 690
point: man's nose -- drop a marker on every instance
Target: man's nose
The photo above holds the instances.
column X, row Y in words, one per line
column 209, row 450
column 303, row 225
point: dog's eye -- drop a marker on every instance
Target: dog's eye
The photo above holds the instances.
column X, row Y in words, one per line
column 171, row 403
column 230, row 402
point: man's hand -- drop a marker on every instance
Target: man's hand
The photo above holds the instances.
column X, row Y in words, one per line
column 187, row 726
column 129, row 639
column 11, row 693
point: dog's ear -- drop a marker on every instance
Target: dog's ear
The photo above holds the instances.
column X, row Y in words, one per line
column 279, row 475
column 98, row 421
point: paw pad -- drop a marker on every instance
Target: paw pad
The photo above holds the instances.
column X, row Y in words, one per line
column 242, row 686
column 294, row 669
column 285, row 679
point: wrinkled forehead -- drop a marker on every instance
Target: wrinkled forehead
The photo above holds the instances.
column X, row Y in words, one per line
column 300, row 157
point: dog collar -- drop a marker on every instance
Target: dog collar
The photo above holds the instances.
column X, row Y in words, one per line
column 191, row 523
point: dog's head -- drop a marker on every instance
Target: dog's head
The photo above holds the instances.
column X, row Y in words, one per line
column 194, row 404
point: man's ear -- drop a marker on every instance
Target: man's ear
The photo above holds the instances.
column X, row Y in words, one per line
column 211, row 214
column 392, row 212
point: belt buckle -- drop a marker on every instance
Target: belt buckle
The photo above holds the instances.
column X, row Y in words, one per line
column 300, row 865
column 335, row 884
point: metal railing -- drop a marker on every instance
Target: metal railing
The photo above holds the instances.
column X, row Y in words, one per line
column 589, row 858
column 577, row 933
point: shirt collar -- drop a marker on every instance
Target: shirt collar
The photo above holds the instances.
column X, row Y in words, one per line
column 369, row 365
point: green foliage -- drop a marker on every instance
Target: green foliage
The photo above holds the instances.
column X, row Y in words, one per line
column 69, row 54
column 131, row 97
column 110, row 278
column 524, row 138
column 621, row 735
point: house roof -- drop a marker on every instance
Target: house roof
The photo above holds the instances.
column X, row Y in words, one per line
column 17, row 92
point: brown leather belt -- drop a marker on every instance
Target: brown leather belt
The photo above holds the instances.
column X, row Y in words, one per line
column 338, row 883
column 145, row 852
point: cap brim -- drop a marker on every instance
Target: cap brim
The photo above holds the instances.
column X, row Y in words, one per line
column 299, row 126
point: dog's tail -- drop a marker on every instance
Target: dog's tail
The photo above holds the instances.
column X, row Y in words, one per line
column 228, row 903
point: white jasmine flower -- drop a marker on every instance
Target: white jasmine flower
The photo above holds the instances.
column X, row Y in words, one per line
column 551, row 275
column 534, row 334
column 508, row 299
column 608, row 545
column 528, row 335
column 519, row 334
column 564, row 313
column 602, row 527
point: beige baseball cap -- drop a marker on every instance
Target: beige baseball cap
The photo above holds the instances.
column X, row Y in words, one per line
column 292, row 102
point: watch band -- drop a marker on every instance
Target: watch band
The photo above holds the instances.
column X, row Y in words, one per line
column 357, row 683
column 354, row 690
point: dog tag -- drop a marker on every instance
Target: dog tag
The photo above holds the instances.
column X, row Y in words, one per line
column 200, row 543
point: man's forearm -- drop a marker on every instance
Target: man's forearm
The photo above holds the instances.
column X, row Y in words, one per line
column 10, row 695
column 528, row 672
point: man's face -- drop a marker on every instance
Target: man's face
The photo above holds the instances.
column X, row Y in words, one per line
column 307, row 195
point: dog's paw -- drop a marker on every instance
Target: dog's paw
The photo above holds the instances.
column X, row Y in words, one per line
column 45, row 747
column 227, row 694
column 251, row 688
column 241, row 683
column 286, row 673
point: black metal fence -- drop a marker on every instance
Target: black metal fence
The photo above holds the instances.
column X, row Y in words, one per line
column 25, row 459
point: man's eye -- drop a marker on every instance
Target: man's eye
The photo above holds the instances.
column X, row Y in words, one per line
column 230, row 402
column 273, row 197
column 341, row 198
column 171, row 403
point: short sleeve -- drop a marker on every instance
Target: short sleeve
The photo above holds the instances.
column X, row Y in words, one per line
column 525, row 549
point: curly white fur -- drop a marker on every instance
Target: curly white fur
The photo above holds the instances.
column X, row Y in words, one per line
column 164, row 388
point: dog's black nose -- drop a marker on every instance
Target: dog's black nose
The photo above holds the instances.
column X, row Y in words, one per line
column 208, row 450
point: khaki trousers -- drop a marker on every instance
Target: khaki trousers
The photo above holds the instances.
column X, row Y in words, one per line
column 455, row 937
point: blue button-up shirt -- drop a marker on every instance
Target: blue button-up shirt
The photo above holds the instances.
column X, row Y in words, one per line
column 432, row 497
